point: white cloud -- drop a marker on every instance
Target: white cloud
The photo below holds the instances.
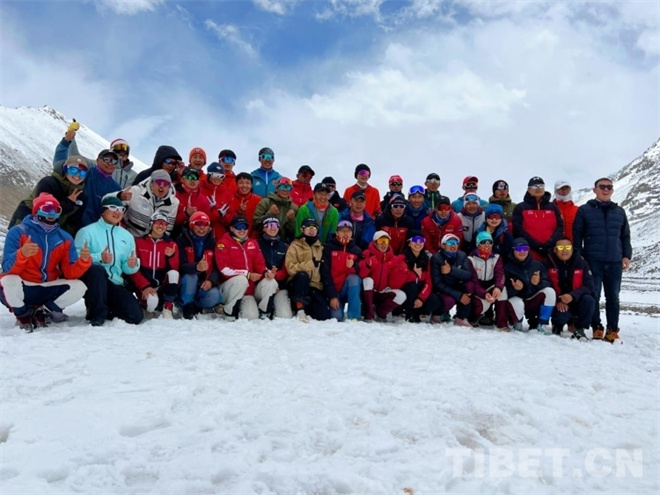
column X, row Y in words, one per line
column 232, row 35
column 649, row 42
column 279, row 7
column 130, row 7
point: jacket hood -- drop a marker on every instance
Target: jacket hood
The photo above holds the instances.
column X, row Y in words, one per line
column 163, row 152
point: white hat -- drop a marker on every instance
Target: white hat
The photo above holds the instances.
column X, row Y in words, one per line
column 446, row 237
column 381, row 233
column 561, row 183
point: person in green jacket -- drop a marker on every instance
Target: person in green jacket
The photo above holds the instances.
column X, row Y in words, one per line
column 278, row 204
column 320, row 209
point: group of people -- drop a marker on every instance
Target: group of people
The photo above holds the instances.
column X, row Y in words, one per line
column 183, row 238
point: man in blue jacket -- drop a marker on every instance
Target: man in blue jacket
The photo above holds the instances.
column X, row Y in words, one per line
column 265, row 176
column 601, row 234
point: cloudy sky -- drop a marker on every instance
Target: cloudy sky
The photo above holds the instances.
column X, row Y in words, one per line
column 495, row 89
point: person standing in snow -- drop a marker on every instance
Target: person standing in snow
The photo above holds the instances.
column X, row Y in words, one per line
column 432, row 192
column 191, row 198
column 396, row 189
column 155, row 194
column 113, row 252
column 319, row 208
column 302, row 191
column 564, row 202
column 279, row 205
column 124, row 174
column 371, row 193
column 41, row 266
column 265, row 177
column 470, row 186
column 335, row 198
column 364, row 226
column 602, row 235
column 166, row 158
column 440, row 222
column 197, row 160
column 501, row 197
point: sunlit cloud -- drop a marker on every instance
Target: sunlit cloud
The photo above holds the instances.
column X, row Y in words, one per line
column 232, row 35
column 130, row 7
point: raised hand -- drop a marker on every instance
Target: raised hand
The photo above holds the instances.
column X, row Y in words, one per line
column 106, row 255
column 516, row 284
column 132, row 260
column 445, row 268
column 536, row 278
column 29, row 248
column 74, row 195
column 84, row 252
column 126, row 194
column 169, row 251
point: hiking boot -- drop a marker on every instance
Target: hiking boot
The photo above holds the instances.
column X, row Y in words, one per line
column 445, row 317
column 39, row 319
column 189, row 311
column 97, row 322
column 556, row 330
column 612, row 336
column 485, row 321
column 461, row 322
column 264, row 316
column 599, row 332
column 56, row 317
column 578, row 334
column 544, row 329
column 25, row 322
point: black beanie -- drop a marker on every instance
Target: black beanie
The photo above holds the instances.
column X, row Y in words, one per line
column 361, row 167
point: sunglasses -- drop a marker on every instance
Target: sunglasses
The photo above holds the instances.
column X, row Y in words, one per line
column 272, row 225
column 605, row 187
column 191, row 177
column 116, row 209
column 470, row 185
column 364, row 173
column 109, row 159
column 433, row 181
column 171, row 161
column 266, row 156
column 471, row 197
column 521, row 249
column 418, row 239
column 396, row 184
column 216, row 175
column 162, row 182
column 228, row 159
column 76, row 171
column 495, row 216
column 161, row 223
column 241, row 226
column 451, row 242
column 416, row 190
column 564, row 248
column 200, row 223
column 52, row 211
column 382, row 240
column 285, row 187
column 444, row 207
column 397, row 207
column 537, row 187
column 311, row 227
column 486, row 242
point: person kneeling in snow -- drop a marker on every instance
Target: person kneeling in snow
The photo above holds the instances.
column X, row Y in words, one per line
column 241, row 266
column 377, row 273
column 199, row 276
column 37, row 253
column 157, row 281
column 529, row 287
column 113, row 252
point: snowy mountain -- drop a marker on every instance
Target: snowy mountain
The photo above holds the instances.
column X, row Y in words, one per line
column 28, row 137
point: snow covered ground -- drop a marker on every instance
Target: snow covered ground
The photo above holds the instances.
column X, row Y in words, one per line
column 175, row 407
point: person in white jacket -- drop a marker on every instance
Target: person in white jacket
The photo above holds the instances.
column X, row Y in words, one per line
column 153, row 194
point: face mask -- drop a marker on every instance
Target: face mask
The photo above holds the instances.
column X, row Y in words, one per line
column 564, row 197
column 310, row 239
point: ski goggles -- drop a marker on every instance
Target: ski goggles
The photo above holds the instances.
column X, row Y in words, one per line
column 216, row 175
column 271, row 225
column 418, row 239
column 52, row 211
column 267, row 156
column 228, row 159
column 564, row 248
column 521, row 249
column 109, row 159
column 115, row 208
column 311, row 227
column 161, row 223
column 397, row 206
column 396, row 184
column 364, row 173
column 469, row 198
column 486, row 242
column 470, row 185
column 383, row 241
column 191, row 176
column 241, row 226
column 433, row 181
column 162, row 182
column 451, row 242
column 170, row 161
column 200, row 223
column 80, row 172
column 494, row 216
column 416, row 190
column 123, row 148
column 443, row 207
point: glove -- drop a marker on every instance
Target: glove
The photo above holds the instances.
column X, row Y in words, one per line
column 73, row 126
column 211, row 200
column 316, row 262
column 223, row 210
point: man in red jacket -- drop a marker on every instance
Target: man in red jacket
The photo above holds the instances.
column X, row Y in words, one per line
column 302, row 190
column 372, row 195
column 190, row 196
column 440, row 222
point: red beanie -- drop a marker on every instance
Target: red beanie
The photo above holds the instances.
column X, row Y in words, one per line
column 196, row 151
column 199, row 216
column 43, row 199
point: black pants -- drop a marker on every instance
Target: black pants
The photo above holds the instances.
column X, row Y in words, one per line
column 412, row 290
column 313, row 300
column 105, row 299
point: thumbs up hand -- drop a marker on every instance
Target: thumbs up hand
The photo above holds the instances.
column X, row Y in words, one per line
column 84, row 252
column 106, row 256
column 29, row 248
column 73, row 126
column 132, row 260
column 126, row 194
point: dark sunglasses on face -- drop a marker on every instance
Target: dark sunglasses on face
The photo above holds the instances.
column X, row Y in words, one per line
column 521, row 249
column 486, row 242
column 76, row 171
column 109, row 159
column 171, row 161
column 241, row 226
column 227, row 159
column 605, row 187
column 418, row 239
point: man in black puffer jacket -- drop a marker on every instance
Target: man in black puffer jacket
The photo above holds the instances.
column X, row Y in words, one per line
column 601, row 234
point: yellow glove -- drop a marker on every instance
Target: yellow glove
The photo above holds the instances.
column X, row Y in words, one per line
column 73, row 126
